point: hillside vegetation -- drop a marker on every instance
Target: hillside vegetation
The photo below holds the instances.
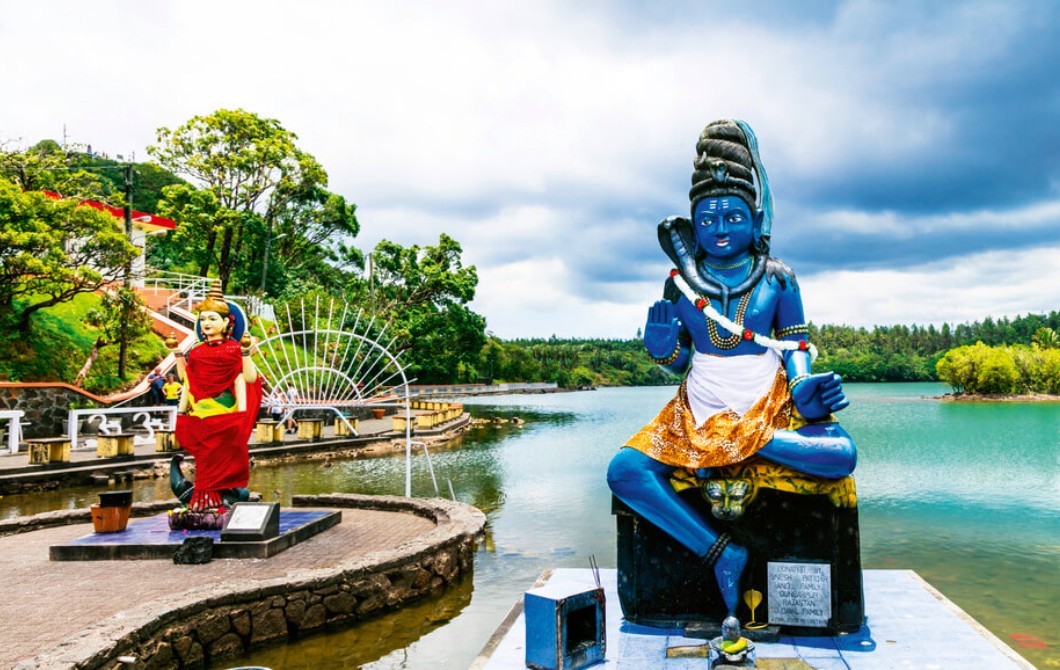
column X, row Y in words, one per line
column 59, row 343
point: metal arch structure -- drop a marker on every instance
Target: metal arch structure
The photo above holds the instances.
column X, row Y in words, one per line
column 332, row 369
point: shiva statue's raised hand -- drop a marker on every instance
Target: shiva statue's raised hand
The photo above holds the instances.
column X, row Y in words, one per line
column 819, row 395
column 661, row 330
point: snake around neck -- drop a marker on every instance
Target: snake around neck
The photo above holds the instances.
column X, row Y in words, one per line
column 677, row 240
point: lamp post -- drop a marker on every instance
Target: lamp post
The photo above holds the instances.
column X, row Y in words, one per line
column 128, row 221
column 265, row 261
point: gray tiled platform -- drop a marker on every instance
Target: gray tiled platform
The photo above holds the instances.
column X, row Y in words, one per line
column 151, row 538
column 910, row 625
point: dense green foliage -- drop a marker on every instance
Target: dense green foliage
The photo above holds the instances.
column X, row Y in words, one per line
column 910, row 353
column 1001, row 370
column 884, row 353
column 120, row 319
column 52, row 250
column 572, row 363
column 257, row 185
column 60, row 343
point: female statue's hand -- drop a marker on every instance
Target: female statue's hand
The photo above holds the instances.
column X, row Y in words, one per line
column 660, row 332
column 819, row 395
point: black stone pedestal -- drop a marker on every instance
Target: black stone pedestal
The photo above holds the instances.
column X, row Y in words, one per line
column 660, row 583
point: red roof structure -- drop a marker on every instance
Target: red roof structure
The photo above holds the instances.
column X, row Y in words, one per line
column 149, row 222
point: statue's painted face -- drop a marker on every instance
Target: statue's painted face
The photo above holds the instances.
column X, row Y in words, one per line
column 725, row 226
column 212, row 325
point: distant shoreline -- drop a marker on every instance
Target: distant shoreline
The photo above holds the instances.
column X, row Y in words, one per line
column 1001, row 397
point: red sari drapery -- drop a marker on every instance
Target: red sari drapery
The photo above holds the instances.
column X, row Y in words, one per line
column 218, row 443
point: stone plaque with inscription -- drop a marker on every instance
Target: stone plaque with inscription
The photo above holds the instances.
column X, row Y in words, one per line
column 800, row 594
column 252, row 521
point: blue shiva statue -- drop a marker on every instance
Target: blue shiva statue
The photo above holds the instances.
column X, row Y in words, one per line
column 731, row 320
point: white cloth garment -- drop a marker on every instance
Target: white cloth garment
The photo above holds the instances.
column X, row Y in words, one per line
column 719, row 383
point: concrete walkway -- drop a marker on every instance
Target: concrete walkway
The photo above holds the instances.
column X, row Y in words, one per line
column 909, row 625
column 46, row 602
column 49, row 605
column 87, row 613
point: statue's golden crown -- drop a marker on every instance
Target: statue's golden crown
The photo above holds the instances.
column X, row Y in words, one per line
column 215, row 300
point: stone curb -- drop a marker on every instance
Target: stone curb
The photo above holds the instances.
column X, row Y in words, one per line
column 26, row 524
column 190, row 629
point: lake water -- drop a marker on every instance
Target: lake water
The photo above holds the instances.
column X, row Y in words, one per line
column 964, row 494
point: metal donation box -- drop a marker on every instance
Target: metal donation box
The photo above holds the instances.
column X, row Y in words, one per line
column 564, row 626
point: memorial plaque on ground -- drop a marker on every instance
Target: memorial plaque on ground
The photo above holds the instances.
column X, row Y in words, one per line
column 252, row 521
column 800, row 594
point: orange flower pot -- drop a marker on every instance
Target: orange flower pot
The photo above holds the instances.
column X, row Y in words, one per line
column 110, row 519
column 379, row 413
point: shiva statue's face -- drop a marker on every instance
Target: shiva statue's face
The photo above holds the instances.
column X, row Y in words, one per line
column 212, row 325
column 725, row 227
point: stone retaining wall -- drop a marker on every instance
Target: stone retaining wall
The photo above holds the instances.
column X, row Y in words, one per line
column 194, row 628
column 47, row 406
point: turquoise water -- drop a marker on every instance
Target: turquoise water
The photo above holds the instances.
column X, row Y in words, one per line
column 965, row 494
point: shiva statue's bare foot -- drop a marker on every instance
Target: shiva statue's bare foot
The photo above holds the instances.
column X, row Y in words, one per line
column 728, row 571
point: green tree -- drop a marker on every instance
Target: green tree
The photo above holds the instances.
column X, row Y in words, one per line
column 252, row 167
column 960, row 367
column 492, row 358
column 1046, row 338
column 120, row 319
column 423, row 292
column 309, row 243
column 48, row 167
column 997, row 373
column 52, row 250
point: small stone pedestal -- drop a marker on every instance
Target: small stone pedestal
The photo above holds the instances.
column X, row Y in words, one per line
column 111, row 446
column 342, row 430
column 49, row 450
column 269, row 431
column 166, row 441
column 310, row 429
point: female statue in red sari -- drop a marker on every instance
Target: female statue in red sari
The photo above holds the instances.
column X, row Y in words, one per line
column 219, row 406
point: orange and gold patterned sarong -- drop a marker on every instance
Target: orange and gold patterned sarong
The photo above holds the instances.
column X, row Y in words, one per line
column 724, row 439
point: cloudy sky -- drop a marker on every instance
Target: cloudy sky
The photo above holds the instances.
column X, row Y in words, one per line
column 913, row 147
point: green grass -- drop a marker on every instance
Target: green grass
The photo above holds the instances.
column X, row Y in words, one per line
column 59, row 343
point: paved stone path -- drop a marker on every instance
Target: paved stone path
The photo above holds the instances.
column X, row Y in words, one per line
column 45, row 602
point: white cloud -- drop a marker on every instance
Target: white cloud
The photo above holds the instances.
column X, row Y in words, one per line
column 888, row 223
column 547, row 139
column 969, row 289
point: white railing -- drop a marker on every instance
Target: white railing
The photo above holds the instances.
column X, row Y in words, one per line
column 256, row 307
column 149, row 419
column 190, row 289
column 476, row 389
column 176, row 281
column 308, row 364
column 14, row 427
